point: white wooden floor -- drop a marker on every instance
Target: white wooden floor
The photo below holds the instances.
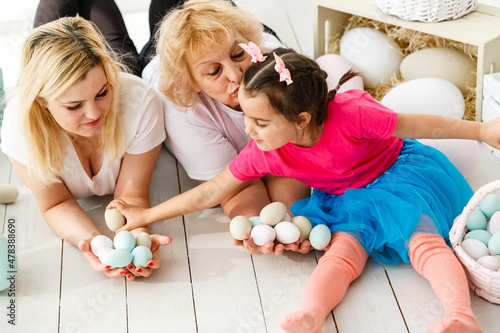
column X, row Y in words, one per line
column 205, row 284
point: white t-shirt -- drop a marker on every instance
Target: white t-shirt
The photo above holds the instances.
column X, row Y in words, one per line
column 141, row 111
column 207, row 136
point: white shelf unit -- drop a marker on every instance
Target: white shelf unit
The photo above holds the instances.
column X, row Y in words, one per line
column 480, row 28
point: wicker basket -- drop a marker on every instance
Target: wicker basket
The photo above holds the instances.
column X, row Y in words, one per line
column 483, row 281
column 427, row 10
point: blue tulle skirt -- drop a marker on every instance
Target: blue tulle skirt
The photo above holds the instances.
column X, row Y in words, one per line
column 421, row 192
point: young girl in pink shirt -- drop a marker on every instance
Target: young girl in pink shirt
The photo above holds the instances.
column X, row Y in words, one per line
column 382, row 196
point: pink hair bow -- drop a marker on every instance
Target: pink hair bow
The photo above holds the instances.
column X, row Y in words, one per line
column 254, row 51
column 282, row 70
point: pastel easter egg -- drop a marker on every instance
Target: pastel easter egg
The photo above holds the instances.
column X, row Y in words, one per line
column 474, row 248
column 287, row 232
column 143, row 239
column 262, row 233
column 489, row 205
column 374, row 53
column 287, row 217
column 273, row 213
column 494, row 223
column 320, row 236
column 255, row 220
column 494, row 243
column 481, row 235
column 304, row 226
column 141, row 255
column 117, row 258
column 426, row 96
column 476, row 221
column 336, row 66
column 445, row 63
column 103, row 252
column 239, row 226
column 490, row 262
column 8, row 193
column 464, row 154
column 8, row 264
column 114, row 219
column 99, row 242
column 124, row 240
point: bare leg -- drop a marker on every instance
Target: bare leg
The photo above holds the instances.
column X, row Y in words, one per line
column 326, row 287
column 435, row 261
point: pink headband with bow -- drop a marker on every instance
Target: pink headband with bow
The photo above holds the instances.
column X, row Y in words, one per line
column 254, row 51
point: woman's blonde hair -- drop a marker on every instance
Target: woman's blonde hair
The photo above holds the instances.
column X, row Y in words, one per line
column 55, row 56
column 196, row 28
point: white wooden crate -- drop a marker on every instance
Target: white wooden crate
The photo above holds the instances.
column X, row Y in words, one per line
column 480, row 28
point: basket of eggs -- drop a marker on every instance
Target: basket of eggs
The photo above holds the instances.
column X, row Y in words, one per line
column 426, row 10
column 475, row 237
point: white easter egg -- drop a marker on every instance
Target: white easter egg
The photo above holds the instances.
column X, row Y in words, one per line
column 114, row 219
column 273, row 213
column 489, row 205
column 445, row 63
column 336, row 66
column 490, row 262
column 481, row 235
column 494, row 223
column 141, row 255
column 124, row 240
column 426, row 96
column 304, row 226
column 99, row 242
column 103, row 252
column 143, row 239
column 8, row 193
column 494, row 243
column 377, row 56
column 255, row 220
column 474, row 248
column 287, row 232
column 320, row 236
column 118, row 258
column 464, row 154
column 239, row 226
column 262, row 233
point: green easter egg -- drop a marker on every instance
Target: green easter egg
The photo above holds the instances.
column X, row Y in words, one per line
column 490, row 204
column 320, row 236
column 8, row 264
column 124, row 240
column 118, row 258
column 255, row 220
column 494, row 243
column 141, row 255
column 481, row 235
column 476, row 220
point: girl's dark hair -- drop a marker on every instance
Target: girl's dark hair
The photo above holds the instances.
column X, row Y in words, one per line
column 308, row 92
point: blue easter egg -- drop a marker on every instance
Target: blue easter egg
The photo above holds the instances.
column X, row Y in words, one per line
column 494, row 243
column 480, row 235
column 8, row 264
column 141, row 255
column 124, row 240
column 255, row 220
column 320, row 236
column 118, row 258
column 490, row 204
column 476, row 220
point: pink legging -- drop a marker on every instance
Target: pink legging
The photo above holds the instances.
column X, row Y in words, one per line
column 429, row 255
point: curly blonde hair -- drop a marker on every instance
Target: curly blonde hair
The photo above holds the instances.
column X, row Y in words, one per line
column 55, row 56
column 192, row 30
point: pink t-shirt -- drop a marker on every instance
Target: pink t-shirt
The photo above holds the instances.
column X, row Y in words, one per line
column 355, row 148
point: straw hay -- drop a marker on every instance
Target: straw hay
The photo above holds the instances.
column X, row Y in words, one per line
column 409, row 41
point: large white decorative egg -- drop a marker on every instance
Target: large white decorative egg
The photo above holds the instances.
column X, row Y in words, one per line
column 474, row 248
column 426, row 96
column 377, row 56
column 287, row 232
column 273, row 213
column 448, row 64
column 336, row 66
